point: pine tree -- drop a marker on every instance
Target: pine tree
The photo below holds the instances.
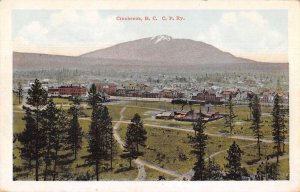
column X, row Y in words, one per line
column 37, row 98
column 75, row 132
column 261, row 172
column 20, row 92
column 140, row 133
column 278, row 125
column 250, row 99
column 96, row 140
column 108, row 131
column 61, row 160
column 27, row 139
column 199, row 149
column 94, row 97
column 230, row 117
column 76, row 100
column 256, row 127
column 49, row 126
column 272, row 171
column 130, row 144
column 284, row 114
column 214, row 172
column 267, row 171
column 234, row 171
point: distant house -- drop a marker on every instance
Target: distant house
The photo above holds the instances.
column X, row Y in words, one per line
column 166, row 93
column 66, row 91
column 192, row 115
column 207, row 96
column 165, row 115
column 233, row 92
column 267, row 97
column 108, row 88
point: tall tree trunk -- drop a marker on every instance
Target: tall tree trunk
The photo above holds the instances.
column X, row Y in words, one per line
column 54, row 167
column 258, row 143
column 55, row 159
column 278, row 151
column 137, row 147
column 129, row 162
column 111, row 150
column 283, row 141
column 75, row 143
column 47, row 163
column 36, row 146
column 97, row 170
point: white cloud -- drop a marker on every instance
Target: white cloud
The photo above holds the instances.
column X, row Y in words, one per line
column 74, row 28
column 228, row 19
column 247, row 32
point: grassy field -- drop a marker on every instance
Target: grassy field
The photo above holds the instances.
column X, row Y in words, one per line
column 162, row 105
column 61, row 100
column 171, row 149
column 16, row 105
column 120, row 166
column 242, row 123
column 167, row 148
column 114, row 111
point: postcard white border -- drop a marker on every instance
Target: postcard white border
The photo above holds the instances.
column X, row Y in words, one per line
column 6, row 183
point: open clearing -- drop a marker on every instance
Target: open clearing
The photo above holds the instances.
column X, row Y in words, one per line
column 166, row 148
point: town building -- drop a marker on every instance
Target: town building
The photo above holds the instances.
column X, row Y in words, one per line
column 108, row 88
column 66, row 91
column 207, row 96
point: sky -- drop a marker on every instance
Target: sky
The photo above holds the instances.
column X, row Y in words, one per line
column 256, row 34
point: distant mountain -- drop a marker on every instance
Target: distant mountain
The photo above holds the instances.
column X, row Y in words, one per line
column 165, row 49
column 160, row 52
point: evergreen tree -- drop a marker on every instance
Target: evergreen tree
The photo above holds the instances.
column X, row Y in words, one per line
column 27, row 139
column 250, row 97
column 267, row 171
column 61, row 164
column 261, row 172
column 94, row 97
column 284, row 114
column 199, row 149
column 256, row 127
column 130, row 144
column 76, row 100
column 230, row 117
column 139, row 133
column 214, row 172
column 20, row 92
column 96, row 140
column 272, row 171
column 278, row 125
column 37, row 98
column 75, row 132
column 108, row 131
column 234, row 171
column 49, row 126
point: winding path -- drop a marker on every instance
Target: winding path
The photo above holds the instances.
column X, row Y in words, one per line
column 188, row 175
column 140, row 163
column 219, row 134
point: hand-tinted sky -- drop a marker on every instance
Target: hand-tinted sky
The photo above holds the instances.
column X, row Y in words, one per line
column 263, row 32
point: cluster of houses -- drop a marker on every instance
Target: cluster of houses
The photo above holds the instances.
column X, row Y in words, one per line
column 192, row 115
column 130, row 88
